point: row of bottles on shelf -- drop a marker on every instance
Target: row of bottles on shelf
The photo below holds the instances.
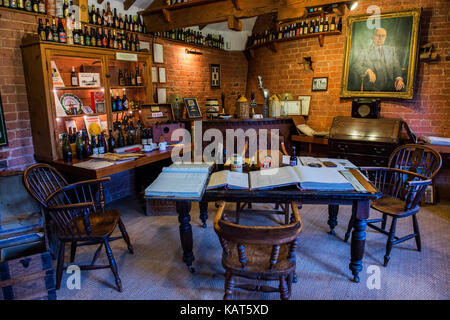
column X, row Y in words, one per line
column 118, row 103
column 130, row 79
column 36, row 6
column 172, row 2
column 195, row 37
column 110, row 19
column 296, row 29
column 83, row 147
column 93, row 37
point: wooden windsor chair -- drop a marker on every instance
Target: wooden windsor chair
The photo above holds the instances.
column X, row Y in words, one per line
column 415, row 158
column 258, row 252
column 402, row 192
column 78, row 214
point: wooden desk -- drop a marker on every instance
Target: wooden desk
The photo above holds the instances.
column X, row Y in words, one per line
column 360, row 207
column 309, row 140
column 148, row 158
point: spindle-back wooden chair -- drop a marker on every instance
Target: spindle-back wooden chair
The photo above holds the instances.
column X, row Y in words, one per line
column 78, row 213
column 258, row 252
column 402, row 192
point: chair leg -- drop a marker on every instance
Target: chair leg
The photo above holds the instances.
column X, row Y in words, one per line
column 284, row 291
column 383, row 223
column 229, row 285
column 73, row 251
column 349, row 228
column 113, row 265
column 417, row 232
column 125, row 236
column 60, row 264
column 390, row 241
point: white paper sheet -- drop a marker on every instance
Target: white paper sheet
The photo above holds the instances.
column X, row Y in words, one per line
column 158, row 55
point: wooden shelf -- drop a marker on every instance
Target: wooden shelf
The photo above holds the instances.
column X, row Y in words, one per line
column 178, row 6
column 77, row 88
column 126, row 87
column 110, row 28
column 81, row 115
column 270, row 44
column 43, row 15
column 187, row 43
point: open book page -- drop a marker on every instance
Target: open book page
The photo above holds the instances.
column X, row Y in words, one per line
column 189, row 167
column 275, row 177
column 321, row 179
column 340, row 163
column 176, row 184
column 218, row 179
column 237, row 180
column 305, row 161
column 228, row 179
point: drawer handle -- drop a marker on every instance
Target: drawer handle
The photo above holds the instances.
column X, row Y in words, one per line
column 25, row 262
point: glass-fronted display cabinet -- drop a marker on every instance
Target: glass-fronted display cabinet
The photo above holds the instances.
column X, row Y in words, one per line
column 74, row 89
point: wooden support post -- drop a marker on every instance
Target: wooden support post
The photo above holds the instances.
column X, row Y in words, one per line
column 166, row 14
column 234, row 23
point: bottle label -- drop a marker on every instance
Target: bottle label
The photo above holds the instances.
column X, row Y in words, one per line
column 101, row 150
column 94, row 150
column 62, row 37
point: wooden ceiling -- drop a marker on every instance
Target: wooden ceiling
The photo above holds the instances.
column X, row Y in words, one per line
column 160, row 17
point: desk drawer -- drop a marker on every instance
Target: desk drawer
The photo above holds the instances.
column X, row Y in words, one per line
column 372, row 149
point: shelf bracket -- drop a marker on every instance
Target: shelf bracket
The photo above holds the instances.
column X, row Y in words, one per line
column 321, row 39
column 127, row 4
column 166, row 14
column 237, row 4
column 273, row 47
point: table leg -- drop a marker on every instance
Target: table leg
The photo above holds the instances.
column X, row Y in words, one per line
column 203, row 212
column 361, row 210
column 333, row 210
column 183, row 210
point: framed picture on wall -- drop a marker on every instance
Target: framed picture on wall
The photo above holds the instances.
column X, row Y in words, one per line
column 381, row 55
column 3, row 134
column 320, row 84
column 192, row 108
column 215, row 75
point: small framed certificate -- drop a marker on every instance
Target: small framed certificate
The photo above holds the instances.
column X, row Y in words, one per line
column 192, row 108
column 162, row 75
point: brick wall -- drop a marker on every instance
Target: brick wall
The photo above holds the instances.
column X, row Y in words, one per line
column 427, row 114
column 189, row 74
column 186, row 74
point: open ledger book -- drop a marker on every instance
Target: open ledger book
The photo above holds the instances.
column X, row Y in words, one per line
column 307, row 178
column 180, row 181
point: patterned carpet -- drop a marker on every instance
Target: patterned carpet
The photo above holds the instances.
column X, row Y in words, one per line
column 156, row 270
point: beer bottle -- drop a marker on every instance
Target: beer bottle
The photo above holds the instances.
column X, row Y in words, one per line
column 102, row 143
column 120, row 137
column 66, row 150
column 111, row 141
column 41, row 31
column 79, row 147
column 61, row 32
column 333, row 24
column 293, row 160
column 326, row 26
column 94, row 145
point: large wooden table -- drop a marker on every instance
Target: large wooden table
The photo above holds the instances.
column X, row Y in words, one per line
column 359, row 201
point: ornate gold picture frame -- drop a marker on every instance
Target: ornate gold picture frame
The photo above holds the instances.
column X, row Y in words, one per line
column 381, row 54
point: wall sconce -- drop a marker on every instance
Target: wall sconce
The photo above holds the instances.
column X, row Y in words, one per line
column 351, row 5
column 190, row 51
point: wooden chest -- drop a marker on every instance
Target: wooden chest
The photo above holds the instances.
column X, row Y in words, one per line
column 366, row 142
column 28, row 278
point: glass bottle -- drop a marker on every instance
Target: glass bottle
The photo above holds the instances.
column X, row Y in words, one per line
column 94, row 145
column 111, row 141
column 293, row 160
column 73, row 78
column 66, row 150
column 79, row 147
column 101, row 143
column 120, row 137
column 41, row 31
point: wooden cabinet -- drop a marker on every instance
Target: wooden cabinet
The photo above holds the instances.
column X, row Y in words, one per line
column 50, row 117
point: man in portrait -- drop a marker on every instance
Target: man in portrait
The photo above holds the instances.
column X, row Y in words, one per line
column 377, row 67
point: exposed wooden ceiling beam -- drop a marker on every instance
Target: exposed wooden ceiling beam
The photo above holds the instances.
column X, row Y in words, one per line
column 127, row 4
column 159, row 17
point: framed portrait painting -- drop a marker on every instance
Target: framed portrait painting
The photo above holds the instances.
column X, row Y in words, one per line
column 381, row 53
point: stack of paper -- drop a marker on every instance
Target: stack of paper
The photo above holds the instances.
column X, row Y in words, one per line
column 180, row 181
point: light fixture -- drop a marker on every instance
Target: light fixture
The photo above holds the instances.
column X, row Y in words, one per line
column 351, row 5
column 190, row 51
